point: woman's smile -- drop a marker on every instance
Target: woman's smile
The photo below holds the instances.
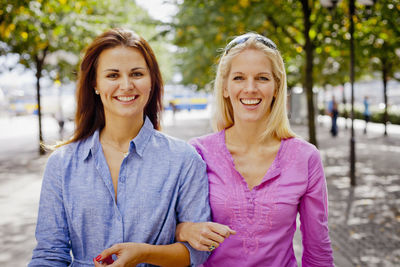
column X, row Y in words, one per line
column 126, row 99
column 250, row 101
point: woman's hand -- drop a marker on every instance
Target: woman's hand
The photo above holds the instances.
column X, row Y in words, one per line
column 128, row 254
column 205, row 236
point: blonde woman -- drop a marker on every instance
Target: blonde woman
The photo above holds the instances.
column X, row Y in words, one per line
column 260, row 175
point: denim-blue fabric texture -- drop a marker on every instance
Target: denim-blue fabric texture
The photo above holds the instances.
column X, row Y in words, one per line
column 161, row 182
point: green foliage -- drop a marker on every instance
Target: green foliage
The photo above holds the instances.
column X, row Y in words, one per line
column 381, row 37
column 60, row 29
column 204, row 26
column 49, row 35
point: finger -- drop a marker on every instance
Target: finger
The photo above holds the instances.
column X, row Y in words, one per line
column 233, row 232
column 222, row 229
column 98, row 264
column 211, row 243
column 116, row 263
column 202, row 247
column 108, row 260
column 211, row 237
column 107, row 253
column 121, row 261
column 202, row 243
column 212, row 247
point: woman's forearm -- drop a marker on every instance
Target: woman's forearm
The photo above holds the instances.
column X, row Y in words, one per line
column 173, row 255
column 131, row 254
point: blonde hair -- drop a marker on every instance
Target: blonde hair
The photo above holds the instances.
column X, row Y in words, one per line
column 278, row 123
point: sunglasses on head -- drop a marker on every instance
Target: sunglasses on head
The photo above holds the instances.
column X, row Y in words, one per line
column 243, row 38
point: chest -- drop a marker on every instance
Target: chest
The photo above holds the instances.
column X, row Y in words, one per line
column 143, row 202
column 253, row 165
column 114, row 161
column 274, row 203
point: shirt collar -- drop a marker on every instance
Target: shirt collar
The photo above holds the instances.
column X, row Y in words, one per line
column 92, row 143
column 140, row 141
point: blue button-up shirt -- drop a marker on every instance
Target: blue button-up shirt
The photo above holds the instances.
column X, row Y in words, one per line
column 161, row 182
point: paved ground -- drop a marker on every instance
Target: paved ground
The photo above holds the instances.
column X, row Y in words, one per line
column 364, row 221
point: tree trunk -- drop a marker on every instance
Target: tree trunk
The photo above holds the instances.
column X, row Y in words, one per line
column 385, row 79
column 39, row 67
column 308, row 76
column 344, row 101
column 352, row 9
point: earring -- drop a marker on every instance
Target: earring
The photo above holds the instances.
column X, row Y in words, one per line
column 97, row 92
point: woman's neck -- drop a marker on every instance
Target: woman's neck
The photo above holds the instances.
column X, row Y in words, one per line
column 120, row 131
column 249, row 135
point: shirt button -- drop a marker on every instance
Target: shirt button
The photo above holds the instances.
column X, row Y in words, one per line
column 122, row 179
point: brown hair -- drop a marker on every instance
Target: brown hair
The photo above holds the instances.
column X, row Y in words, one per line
column 90, row 111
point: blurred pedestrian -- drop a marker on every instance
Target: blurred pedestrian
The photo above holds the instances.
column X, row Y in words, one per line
column 119, row 186
column 173, row 108
column 260, row 174
column 59, row 116
column 367, row 113
column 334, row 113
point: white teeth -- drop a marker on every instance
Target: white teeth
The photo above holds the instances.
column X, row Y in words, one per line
column 250, row 101
column 126, row 98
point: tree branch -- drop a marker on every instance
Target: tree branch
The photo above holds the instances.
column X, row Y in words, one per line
column 284, row 30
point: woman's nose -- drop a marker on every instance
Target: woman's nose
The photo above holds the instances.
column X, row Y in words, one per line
column 250, row 85
column 127, row 83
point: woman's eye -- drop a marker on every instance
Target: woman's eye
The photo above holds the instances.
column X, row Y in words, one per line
column 112, row 75
column 137, row 74
column 262, row 78
column 238, row 78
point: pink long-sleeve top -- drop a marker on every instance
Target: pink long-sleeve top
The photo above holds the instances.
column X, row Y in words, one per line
column 265, row 217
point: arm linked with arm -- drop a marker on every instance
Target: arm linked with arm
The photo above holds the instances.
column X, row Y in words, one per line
column 193, row 203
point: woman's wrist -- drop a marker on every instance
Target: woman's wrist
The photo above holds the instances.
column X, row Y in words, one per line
column 181, row 230
column 165, row 255
column 146, row 252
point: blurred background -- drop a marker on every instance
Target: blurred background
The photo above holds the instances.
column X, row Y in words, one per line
column 331, row 48
column 342, row 49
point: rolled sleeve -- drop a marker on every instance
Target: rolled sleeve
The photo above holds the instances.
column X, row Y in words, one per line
column 314, row 217
column 193, row 204
column 52, row 235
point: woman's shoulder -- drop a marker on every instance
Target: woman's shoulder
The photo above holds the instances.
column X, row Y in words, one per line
column 297, row 154
column 299, row 145
column 209, row 140
column 65, row 152
column 172, row 144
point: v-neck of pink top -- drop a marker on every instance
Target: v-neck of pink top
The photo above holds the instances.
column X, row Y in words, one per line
column 272, row 171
